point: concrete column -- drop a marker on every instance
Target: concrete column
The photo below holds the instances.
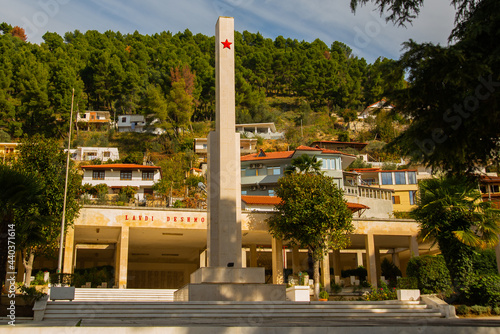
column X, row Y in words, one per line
column 123, row 259
column 277, row 259
column 337, row 269
column 371, row 262
column 325, row 272
column 295, row 260
column 395, row 259
column 243, row 258
column 253, row 256
column 203, row 259
column 69, row 251
column 359, row 258
column 413, row 246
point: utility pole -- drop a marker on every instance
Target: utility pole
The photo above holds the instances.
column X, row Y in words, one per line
column 61, row 244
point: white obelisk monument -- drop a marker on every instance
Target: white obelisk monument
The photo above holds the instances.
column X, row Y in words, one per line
column 224, row 171
column 224, row 279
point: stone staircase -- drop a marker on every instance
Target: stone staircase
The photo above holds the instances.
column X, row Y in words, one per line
column 212, row 312
column 124, row 295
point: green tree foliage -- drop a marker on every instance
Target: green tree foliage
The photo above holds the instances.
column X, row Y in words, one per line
column 304, row 164
column 44, row 159
column 21, row 195
column 140, row 74
column 312, row 214
column 452, row 90
column 451, row 212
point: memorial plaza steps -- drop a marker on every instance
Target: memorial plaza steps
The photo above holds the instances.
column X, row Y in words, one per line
column 212, row 312
column 119, row 295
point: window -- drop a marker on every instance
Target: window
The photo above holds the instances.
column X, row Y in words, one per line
column 412, row 178
column 204, row 146
column 494, row 188
column 147, row 175
column 251, row 172
column 98, row 175
column 396, row 200
column 273, row 171
column 125, row 175
column 400, row 177
column 386, row 178
column 244, row 192
column 107, row 154
column 271, row 192
column 328, row 163
column 413, row 197
column 124, row 119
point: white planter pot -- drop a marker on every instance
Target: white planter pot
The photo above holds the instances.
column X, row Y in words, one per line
column 298, row 293
column 408, row 294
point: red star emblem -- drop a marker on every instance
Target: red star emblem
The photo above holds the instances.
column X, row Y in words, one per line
column 226, row 44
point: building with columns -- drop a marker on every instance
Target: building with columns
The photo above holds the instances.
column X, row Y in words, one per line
column 160, row 248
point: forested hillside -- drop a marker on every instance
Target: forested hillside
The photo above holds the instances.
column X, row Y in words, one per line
column 171, row 77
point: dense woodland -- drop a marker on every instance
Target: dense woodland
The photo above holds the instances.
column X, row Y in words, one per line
column 171, row 77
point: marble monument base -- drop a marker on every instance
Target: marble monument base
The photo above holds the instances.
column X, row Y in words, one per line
column 234, row 292
column 230, row 284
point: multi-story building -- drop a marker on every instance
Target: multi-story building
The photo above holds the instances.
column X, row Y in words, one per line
column 131, row 123
column 96, row 119
column 95, row 153
column 8, row 151
column 116, row 176
column 338, row 145
column 264, row 130
column 403, row 182
column 260, row 173
column 247, row 145
column 490, row 189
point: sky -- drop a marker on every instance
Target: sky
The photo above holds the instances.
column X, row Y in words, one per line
column 365, row 31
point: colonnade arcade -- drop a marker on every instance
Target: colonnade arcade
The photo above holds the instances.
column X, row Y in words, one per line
column 160, row 249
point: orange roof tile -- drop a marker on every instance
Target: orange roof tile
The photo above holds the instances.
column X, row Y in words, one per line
column 269, row 200
column 269, row 156
column 120, row 166
column 490, row 179
column 272, row 200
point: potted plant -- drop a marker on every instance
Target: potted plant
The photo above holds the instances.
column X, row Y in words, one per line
column 323, row 296
column 408, row 289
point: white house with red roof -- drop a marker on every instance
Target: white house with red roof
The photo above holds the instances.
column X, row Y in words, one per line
column 117, row 176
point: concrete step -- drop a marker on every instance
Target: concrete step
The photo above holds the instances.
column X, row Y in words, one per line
column 219, row 310
column 85, row 294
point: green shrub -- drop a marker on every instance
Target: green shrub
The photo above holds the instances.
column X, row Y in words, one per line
column 381, row 293
column 31, row 294
column 462, row 309
column 431, row 273
column 485, row 262
column 390, row 271
column 495, row 310
column 95, row 275
column 323, row 295
column 478, row 309
column 336, row 288
column 407, row 283
column 484, row 290
column 359, row 272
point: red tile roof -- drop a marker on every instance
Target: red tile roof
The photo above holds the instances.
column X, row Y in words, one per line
column 120, row 166
column 272, row 200
column 268, row 156
column 269, row 200
column 288, row 154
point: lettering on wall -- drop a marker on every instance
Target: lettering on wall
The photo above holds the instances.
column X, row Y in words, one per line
column 175, row 219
